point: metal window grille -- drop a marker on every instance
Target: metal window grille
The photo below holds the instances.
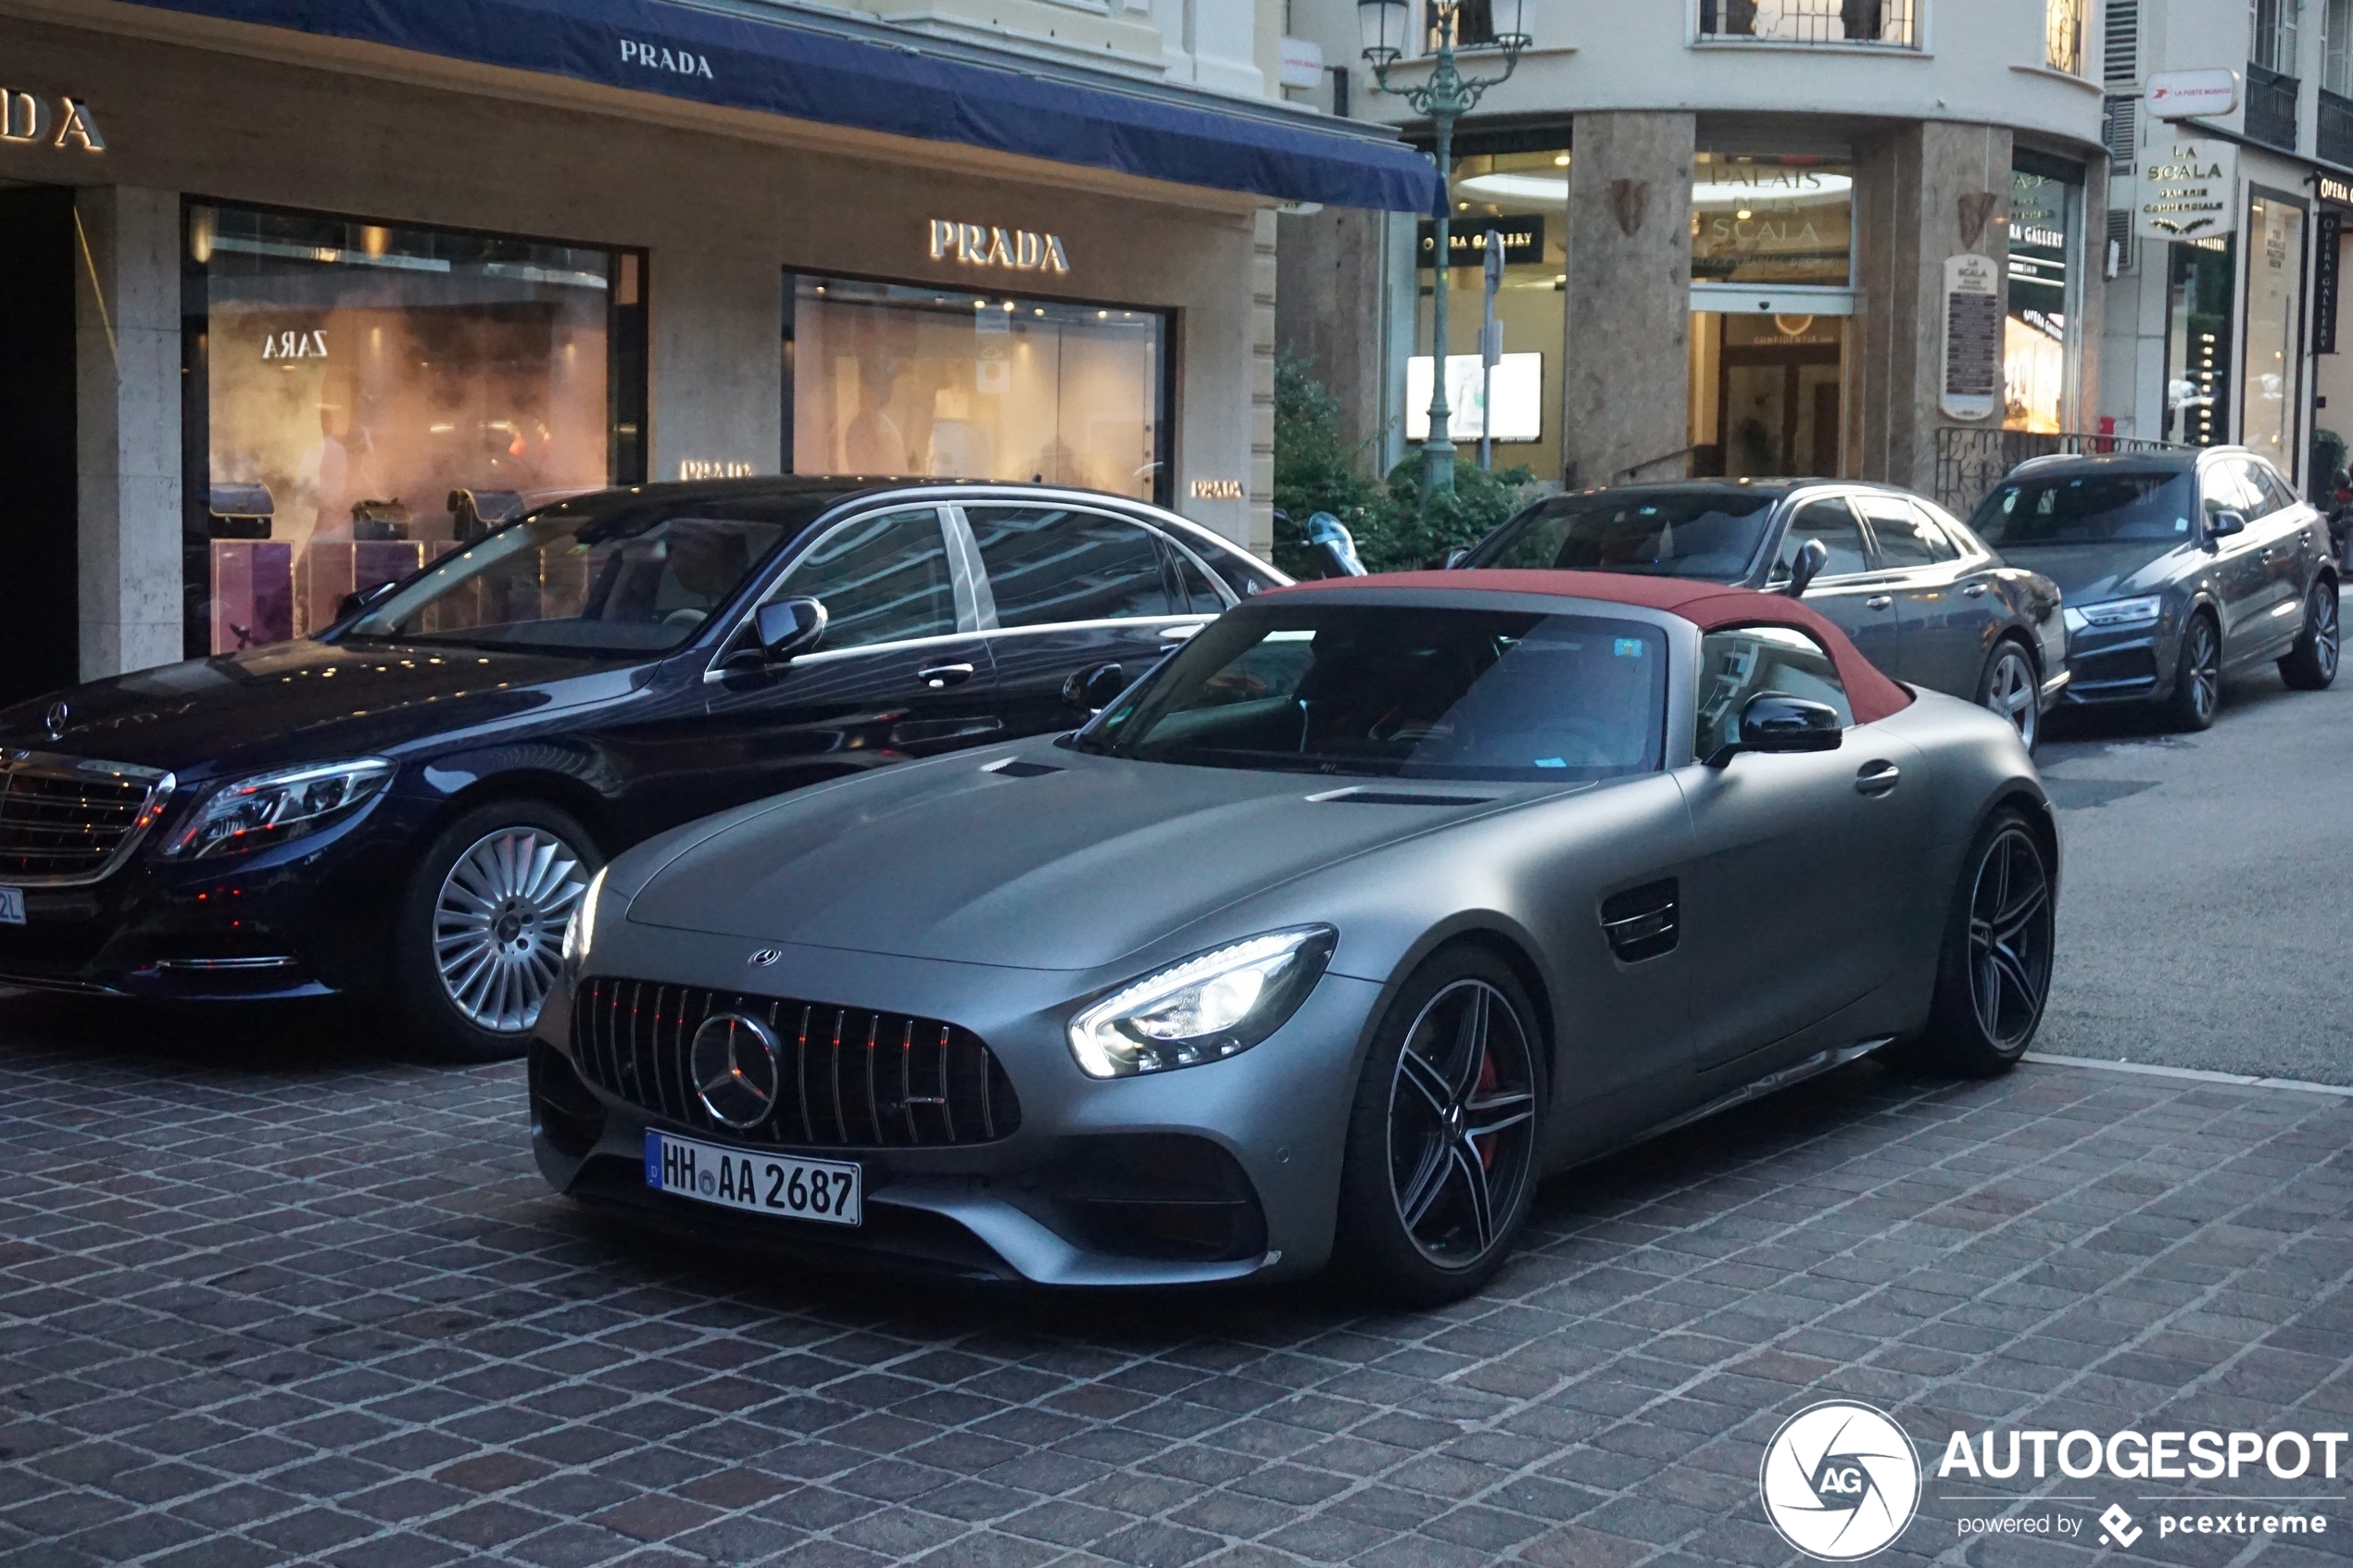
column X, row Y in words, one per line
column 2271, row 106
column 1892, row 22
column 2120, row 129
column 2121, row 41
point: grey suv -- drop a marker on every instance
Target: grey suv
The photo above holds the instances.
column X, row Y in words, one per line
column 2179, row 568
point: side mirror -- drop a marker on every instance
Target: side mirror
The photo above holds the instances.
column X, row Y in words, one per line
column 788, row 628
column 1777, row 721
column 2222, row 525
column 1812, row 557
column 1455, row 557
column 1092, row 690
column 354, row 603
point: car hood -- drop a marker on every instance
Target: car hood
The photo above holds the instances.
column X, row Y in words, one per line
column 2088, row 574
column 303, row 701
column 1070, row 870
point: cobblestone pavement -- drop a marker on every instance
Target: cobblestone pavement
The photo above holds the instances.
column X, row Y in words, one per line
column 321, row 1309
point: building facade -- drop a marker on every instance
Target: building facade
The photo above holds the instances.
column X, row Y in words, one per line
column 291, row 309
column 1853, row 237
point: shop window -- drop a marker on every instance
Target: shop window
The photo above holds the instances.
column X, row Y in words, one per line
column 2039, row 347
column 2267, row 377
column 1772, row 219
column 361, row 399
column 889, row 379
column 1521, row 197
column 2199, row 280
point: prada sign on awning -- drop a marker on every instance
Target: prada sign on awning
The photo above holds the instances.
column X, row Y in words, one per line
column 49, row 121
column 1467, row 240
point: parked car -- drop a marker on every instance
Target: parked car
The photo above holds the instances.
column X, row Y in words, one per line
column 2179, row 568
column 1917, row 591
column 410, row 804
column 1381, row 898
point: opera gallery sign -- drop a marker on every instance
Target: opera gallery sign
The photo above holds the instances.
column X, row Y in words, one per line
column 2188, row 190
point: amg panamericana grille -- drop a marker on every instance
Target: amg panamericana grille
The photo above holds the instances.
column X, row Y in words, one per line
column 62, row 818
column 848, row 1078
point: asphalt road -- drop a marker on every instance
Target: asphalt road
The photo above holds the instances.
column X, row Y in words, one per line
column 2205, row 913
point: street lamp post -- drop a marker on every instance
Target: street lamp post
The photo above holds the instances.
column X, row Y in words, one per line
column 1445, row 97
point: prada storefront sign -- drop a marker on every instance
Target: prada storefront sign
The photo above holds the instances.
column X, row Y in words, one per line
column 54, row 121
column 1467, row 240
column 979, row 244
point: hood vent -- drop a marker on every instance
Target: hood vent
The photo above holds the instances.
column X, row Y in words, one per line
column 1396, row 798
column 1015, row 768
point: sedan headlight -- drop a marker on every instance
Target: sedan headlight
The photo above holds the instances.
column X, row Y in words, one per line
column 580, row 931
column 273, row 807
column 1206, row 1008
column 2116, row 615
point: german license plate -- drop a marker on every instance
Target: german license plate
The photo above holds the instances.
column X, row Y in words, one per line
column 823, row 1190
column 11, row 906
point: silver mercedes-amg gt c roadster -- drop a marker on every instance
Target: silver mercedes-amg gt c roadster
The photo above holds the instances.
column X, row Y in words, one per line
column 1322, row 943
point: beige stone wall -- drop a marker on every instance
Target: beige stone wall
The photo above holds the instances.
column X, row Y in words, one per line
column 1626, row 395
column 1331, row 313
column 1909, row 186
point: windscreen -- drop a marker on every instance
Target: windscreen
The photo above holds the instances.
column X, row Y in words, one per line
column 1708, row 534
column 2094, row 509
column 1404, row 692
column 594, row 580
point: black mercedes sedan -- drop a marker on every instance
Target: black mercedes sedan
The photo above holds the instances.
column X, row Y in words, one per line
column 409, row 805
column 1922, row 597
column 2179, row 568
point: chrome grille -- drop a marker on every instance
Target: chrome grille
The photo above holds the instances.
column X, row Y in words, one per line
column 66, row 818
column 851, row 1077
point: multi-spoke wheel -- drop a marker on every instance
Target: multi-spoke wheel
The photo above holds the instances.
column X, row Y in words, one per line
column 499, row 924
column 1444, row 1136
column 482, row 929
column 2310, row 665
column 1995, row 972
column 2198, row 678
column 2009, row 688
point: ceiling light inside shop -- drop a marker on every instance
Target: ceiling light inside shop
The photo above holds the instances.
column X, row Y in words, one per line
column 1560, row 160
column 1009, row 307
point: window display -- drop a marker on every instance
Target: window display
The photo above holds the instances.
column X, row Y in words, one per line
column 889, row 379
column 2200, row 277
column 363, row 398
column 2274, row 301
column 2038, row 349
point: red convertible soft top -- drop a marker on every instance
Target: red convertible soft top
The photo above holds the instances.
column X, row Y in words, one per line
column 1708, row 606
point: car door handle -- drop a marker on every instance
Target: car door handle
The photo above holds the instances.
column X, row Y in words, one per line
column 1878, row 601
column 1974, row 591
column 1877, row 777
column 938, row 677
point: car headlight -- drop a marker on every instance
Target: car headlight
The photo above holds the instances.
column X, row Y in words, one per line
column 580, row 931
column 273, row 807
column 2116, row 615
column 1206, row 1008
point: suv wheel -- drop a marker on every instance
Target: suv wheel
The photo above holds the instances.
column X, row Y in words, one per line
column 479, row 936
column 2197, row 677
column 2310, row 665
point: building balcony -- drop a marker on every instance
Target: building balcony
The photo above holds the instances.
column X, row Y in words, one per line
column 2336, row 127
column 2271, row 108
column 1889, row 22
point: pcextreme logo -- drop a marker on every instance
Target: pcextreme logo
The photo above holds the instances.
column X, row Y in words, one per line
column 1840, row 1480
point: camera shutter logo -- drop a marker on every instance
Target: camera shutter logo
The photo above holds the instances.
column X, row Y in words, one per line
column 1839, row 1481
column 737, row 1065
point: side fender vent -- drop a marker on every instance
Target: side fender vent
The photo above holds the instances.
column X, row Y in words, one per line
column 1643, row 923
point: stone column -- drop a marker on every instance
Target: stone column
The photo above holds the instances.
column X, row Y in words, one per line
column 1333, row 316
column 1909, row 190
column 716, row 342
column 1264, row 272
column 127, row 352
column 1627, row 388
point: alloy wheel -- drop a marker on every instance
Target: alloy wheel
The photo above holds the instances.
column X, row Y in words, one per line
column 2012, row 692
column 2325, row 632
column 2204, row 668
column 1462, row 1109
column 2009, row 938
column 498, row 925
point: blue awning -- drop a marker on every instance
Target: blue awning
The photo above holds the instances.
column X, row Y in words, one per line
column 805, row 73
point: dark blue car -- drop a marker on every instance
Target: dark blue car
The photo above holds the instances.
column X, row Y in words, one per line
column 409, row 805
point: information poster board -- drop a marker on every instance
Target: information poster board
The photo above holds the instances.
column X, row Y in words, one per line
column 1972, row 382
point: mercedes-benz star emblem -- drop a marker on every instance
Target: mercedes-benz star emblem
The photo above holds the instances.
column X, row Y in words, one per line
column 736, row 1065
column 765, row 958
column 55, row 720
